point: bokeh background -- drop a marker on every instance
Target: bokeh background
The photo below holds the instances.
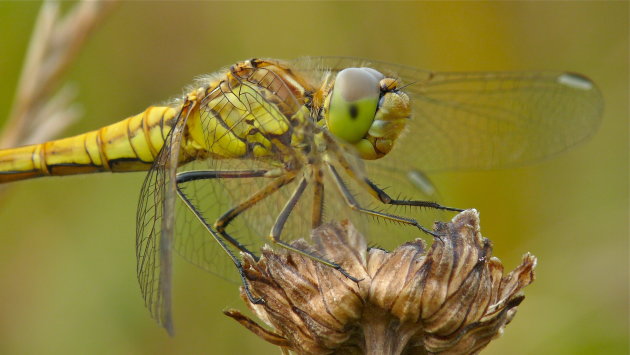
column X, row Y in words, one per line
column 67, row 262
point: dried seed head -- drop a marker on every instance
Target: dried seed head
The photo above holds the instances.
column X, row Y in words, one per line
column 450, row 299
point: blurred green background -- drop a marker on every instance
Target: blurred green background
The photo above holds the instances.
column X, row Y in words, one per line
column 67, row 259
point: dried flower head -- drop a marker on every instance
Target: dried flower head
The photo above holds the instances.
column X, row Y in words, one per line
column 449, row 299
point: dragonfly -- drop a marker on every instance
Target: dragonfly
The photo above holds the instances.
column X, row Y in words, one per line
column 266, row 150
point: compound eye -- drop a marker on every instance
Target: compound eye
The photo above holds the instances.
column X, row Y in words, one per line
column 353, row 103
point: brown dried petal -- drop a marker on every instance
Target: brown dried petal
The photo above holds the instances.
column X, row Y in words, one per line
column 451, row 299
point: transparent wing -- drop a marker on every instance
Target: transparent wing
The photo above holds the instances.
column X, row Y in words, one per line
column 493, row 120
column 485, row 120
column 155, row 226
column 212, row 198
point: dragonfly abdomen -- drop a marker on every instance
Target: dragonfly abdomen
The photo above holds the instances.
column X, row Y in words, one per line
column 129, row 145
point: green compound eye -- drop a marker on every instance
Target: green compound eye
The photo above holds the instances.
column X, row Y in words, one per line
column 353, row 103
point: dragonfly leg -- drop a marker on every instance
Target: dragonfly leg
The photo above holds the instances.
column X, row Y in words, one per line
column 386, row 199
column 353, row 204
column 379, row 193
column 276, row 230
column 189, row 176
column 218, row 174
column 318, row 197
column 219, row 239
column 223, row 221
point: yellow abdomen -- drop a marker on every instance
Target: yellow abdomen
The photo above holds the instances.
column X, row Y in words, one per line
column 129, row 145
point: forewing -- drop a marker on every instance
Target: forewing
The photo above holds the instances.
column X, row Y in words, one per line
column 495, row 120
column 485, row 120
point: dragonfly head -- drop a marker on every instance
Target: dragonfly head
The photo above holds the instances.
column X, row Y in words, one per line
column 367, row 109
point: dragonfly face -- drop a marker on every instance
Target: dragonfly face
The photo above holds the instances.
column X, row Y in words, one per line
column 367, row 110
